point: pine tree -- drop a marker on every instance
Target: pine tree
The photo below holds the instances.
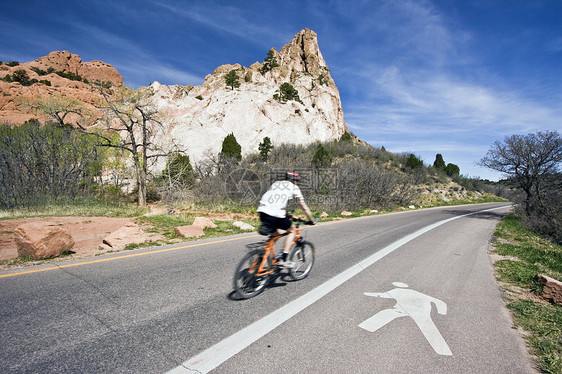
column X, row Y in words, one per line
column 232, row 79
column 178, row 170
column 322, row 157
column 439, row 163
column 414, row 162
column 265, row 147
column 269, row 63
column 287, row 92
column 230, row 148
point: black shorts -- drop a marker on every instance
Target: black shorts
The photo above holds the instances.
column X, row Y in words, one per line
column 276, row 222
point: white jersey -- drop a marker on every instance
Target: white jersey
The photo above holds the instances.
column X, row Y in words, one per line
column 274, row 201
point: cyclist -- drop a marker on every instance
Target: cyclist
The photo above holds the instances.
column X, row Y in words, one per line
column 273, row 209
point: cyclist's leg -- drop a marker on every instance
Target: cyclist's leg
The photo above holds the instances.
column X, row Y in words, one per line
column 284, row 224
column 289, row 239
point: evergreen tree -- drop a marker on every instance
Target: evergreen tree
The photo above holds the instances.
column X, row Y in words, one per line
column 265, row 147
column 178, row 170
column 232, row 79
column 452, row 170
column 413, row 162
column 322, row 157
column 269, row 63
column 230, row 148
column 439, row 163
column 287, row 92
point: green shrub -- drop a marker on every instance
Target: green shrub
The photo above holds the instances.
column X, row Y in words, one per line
column 21, row 77
column 346, row 137
column 287, row 92
column 12, row 63
column 452, row 170
column 199, row 97
column 44, row 163
column 413, row 162
column 102, row 84
column 42, row 72
column 71, row 76
column 439, row 163
column 322, row 80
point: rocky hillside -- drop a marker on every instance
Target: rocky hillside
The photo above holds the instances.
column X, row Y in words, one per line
column 57, row 73
column 199, row 117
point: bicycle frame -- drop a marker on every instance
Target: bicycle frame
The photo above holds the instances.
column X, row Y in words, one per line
column 259, row 265
column 265, row 265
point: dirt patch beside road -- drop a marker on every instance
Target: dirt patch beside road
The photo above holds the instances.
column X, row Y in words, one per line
column 87, row 232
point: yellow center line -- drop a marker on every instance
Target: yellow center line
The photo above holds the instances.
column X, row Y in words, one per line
column 143, row 253
column 125, row 256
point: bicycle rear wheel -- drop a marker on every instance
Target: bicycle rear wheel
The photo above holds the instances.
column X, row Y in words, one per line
column 246, row 282
column 302, row 257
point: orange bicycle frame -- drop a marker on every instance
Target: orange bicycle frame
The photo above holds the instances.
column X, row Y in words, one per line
column 263, row 267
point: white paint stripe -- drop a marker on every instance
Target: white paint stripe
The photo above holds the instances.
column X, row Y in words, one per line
column 209, row 359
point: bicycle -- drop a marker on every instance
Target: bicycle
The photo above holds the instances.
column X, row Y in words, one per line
column 257, row 266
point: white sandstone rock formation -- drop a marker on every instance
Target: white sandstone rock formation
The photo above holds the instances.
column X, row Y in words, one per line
column 200, row 117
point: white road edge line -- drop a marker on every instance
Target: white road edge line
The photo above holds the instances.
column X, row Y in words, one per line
column 212, row 357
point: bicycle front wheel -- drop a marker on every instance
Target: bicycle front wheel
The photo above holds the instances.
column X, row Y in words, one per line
column 246, row 282
column 302, row 257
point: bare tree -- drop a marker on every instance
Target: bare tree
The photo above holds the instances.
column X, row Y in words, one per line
column 134, row 116
column 528, row 160
column 178, row 177
column 40, row 163
column 58, row 107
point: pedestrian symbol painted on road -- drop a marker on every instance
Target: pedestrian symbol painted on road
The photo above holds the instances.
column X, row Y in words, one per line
column 412, row 304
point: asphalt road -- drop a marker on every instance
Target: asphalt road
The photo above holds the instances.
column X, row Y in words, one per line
column 411, row 292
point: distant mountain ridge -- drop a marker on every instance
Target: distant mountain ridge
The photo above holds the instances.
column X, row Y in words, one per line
column 199, row 117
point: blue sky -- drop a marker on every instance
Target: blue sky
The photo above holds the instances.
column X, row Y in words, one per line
column 426, row 77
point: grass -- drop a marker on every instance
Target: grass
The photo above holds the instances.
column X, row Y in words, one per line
column 164, row 224
column 80, row 208
column 433, row 201
column 528, row 254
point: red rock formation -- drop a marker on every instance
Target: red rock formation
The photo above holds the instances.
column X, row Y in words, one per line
column 11, row 110
column 41, row 240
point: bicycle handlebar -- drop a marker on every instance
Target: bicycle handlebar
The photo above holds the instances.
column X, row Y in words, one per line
column 300, row 220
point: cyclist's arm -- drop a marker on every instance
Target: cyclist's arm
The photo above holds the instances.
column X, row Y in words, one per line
column 305, row 209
